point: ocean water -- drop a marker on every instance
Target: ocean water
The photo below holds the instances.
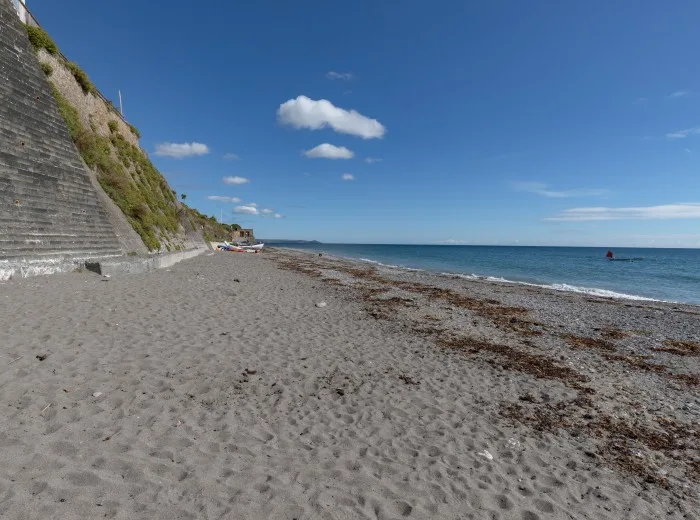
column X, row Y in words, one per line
column 654, row 274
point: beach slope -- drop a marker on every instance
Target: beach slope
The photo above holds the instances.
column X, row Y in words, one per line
column 223, row 388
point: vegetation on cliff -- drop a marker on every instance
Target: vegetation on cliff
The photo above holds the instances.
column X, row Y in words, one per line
column 214, row 231
column 124, row 170
column 82, row 78
column 40, row 39
column 127, row 176
column 135, row 185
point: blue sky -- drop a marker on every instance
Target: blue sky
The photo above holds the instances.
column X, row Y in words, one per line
column 500, row 122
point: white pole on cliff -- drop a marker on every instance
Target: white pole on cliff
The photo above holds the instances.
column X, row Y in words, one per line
column 120, row 103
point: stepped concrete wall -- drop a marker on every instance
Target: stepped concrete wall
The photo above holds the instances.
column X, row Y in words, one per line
column 50, row 213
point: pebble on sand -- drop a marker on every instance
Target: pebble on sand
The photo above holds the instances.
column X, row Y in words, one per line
column 321, row 304
column 486, row 455
column 513, row 444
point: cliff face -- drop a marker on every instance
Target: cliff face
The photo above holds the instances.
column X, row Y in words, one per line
column 74, row 182
column 110, row 148
column 49, row 209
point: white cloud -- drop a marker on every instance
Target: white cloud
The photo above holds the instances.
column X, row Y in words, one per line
column 688, row 210
column 221, row 198
column 231, row 157
column 346, row 76
column 246, row 210
column 270, row 213
column 682, row 134
column 252, row 209
column 679, row 94
column 540, row 188
column 180, row 151
column 372, row 160
column 328, row 151
column 348, row 177
column 303, row 112
column 235, row 180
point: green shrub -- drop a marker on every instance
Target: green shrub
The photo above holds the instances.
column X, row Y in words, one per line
column 129, row 178
column 135, row 131
column 69, row 113
column 82, row 78
column 113, row 126
column 99, row 154
column 47, row 68
column 40, row 39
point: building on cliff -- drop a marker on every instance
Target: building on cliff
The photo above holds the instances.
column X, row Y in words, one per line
column 242, row 234
column 20, row 7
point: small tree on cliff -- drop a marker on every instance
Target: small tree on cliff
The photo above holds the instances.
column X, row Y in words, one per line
column 183, row 196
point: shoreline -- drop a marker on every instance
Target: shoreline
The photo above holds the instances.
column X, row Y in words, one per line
column 554, row 286
column 222, row 386
column 590, row 344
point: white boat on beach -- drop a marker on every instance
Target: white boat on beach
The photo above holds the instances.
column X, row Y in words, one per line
column 240, row 247
column 254, row 247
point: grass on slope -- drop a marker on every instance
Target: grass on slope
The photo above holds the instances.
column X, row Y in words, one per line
column 127, row 176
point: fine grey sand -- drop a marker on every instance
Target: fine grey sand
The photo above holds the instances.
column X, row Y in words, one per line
column 184, row 393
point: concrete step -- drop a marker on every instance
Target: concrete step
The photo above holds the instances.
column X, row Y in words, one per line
column 24, row 202
column 66, row 253
column 66, row 233
column 48, row 240
column 19, row 249
column 58, row 212
column 93, row 227
column 33, row 187
column 28, row 108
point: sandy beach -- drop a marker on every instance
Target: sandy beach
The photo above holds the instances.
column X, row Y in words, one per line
column 224, row 388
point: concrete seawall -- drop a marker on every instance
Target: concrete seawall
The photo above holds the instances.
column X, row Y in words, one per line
column 133, row 265
column 116, row 265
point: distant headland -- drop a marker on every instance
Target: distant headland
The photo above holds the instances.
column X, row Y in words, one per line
column 285, row 241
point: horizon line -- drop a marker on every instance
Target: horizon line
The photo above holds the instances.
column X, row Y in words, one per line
column 473, row 245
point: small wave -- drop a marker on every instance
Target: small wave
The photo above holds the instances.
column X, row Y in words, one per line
column 604, row 293
column 564, row 287
column 464, row 276
column 403, row 268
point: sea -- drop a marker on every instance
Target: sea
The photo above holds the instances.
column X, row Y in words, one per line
column 636, row 274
